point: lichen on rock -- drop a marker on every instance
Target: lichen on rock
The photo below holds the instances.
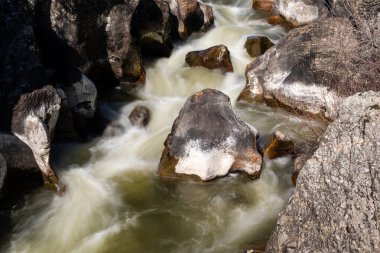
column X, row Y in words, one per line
column 336, row 203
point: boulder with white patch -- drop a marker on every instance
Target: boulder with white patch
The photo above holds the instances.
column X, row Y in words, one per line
column 208, row 141
column 307, row 70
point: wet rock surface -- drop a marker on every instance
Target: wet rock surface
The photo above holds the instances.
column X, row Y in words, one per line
column 264, row 5
column 191, row 15
column 280, row 146
column 79, row 95
column 11, row 147
column 335, row 207
column 301, row 12
column 216, row 57
column 257, row 46
column 34, row 119
column 208, row 141
column 139, row 116
column 79, row 47
column 299, row 72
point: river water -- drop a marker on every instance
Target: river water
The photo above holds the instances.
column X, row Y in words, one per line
column 115, row 201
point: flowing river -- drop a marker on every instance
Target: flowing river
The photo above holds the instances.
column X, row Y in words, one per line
column 115, row 201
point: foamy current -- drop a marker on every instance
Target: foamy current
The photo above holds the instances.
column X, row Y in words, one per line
column 115, row 201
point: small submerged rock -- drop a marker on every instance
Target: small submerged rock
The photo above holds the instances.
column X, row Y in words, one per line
column 216, row 57
column 257, row 46
column 139, row 116
column 208, row 141
column 114, row 128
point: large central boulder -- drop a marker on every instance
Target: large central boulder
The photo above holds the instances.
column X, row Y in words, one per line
column 208, row 141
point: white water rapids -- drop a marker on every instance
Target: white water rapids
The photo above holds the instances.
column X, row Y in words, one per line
column 115, row 201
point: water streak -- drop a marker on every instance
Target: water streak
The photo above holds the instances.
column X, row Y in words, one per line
column 116, row 203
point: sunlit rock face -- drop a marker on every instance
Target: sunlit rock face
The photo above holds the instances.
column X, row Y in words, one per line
column 300, row 73
column 34, row 118
column 301, row 12
column 335, row 207
column 208, row 141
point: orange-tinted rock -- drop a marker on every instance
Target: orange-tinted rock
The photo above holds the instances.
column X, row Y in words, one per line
column 275, row 20
column 281, row 146
column 257, row 46
column 216, row 57
column 264, row 5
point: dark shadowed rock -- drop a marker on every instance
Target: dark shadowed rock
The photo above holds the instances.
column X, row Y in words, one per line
column 281, row 145
column 123, row 56
column 3, row 171
column 257, row 46
column 301, row 12
column 33, row 122
column 264, row 5
column 20, row 69
column 191, row 16
column 153, row 33
column 208, row 16
column 208, row 140
column 11, row 147
column 78, row 105
column 307, row 70
column 216, row 57
column 336, row 203
column 139, row 116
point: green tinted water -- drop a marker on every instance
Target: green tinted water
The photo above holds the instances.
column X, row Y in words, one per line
column 115, row 201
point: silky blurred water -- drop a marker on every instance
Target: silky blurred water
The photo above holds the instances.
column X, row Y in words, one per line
column 115, row 202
